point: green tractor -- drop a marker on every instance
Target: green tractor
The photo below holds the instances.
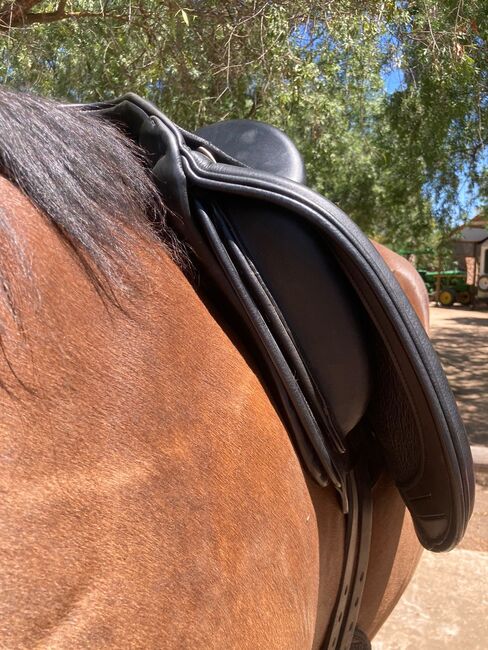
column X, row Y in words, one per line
column 448, row 287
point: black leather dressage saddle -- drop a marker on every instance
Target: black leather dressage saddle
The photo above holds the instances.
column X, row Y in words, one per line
column 338, row 346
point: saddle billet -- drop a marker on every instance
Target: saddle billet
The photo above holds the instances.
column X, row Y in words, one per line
column 338, row 345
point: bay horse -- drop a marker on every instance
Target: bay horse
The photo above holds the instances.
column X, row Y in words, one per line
column 151, row 495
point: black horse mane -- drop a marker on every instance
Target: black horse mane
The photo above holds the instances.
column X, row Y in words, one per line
column 84, row 175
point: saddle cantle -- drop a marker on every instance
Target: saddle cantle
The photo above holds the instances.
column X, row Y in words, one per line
column 338, row 345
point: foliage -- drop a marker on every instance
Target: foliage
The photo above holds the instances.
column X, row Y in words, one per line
column 395, row 160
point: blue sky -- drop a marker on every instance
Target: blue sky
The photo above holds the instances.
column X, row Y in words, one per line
column 393, row 80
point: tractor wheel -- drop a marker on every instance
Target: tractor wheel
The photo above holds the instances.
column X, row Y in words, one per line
column 464, row 297
column 447, row 297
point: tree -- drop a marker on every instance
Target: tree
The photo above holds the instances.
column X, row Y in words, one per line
column 395, row 159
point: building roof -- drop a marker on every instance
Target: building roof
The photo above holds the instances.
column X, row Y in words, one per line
column 475, row 235
column 480, row 221
column 475, row 231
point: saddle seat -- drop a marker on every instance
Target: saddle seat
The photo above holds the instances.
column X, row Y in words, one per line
column 266, row 148
column 342, row 347
column 258, row 146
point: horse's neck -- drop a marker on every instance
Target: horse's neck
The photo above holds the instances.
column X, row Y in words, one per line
column 82, row 353
column 143, row 449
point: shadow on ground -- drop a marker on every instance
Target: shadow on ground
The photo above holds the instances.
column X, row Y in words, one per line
column 461, row 340
column 445, row 604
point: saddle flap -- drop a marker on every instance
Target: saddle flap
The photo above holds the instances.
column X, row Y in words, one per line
column 341, row 345
column 431, row 439
column 317, row 309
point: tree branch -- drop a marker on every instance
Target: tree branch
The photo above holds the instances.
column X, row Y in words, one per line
column 16, row 14
column 51, row 17
column 12, row 13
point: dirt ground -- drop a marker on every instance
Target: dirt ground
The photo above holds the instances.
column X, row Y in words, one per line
column 446, row 604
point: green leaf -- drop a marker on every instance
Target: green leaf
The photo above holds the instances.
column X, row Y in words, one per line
column 184, row 15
